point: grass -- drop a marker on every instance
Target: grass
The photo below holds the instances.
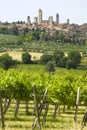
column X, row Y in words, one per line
column 8, row 38
column 63, row 122
column 31, row 68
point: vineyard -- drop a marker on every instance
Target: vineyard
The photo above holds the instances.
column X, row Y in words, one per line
column 39, row 100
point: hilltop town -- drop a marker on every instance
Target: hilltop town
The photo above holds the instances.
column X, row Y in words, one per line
column 67, row 28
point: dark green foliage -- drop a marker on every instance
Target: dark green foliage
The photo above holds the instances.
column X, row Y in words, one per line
column 5, row 61
column 15, row 62
column 32, row 35
column 36, row 36
column 57, row 54
column 12, row 31
column 45, row 36
column 59, row 59
column 74, row 58
column 15, row 31
column 3, row 30
column 26, row 58
column 20, row 39
column 61, row 62
column 70, row 64
column 50, row 67
column 61, row 37
column 45, row 58
column 25, row 31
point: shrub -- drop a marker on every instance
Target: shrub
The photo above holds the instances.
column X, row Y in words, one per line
column 5, row 61
column 45, row 58
column 59, row 58
column 50, row 67
column 26, row 58
column 74, row 58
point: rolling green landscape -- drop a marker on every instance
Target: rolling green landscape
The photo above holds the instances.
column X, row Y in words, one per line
column 17, row 82
column 43, row 65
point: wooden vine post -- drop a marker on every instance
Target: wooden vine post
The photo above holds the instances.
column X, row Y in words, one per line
column 77, row 104
column 1, row 111
column 45, row 114
column 84, row 120
column 55, row 111
column 17, row 108
column 37, row 109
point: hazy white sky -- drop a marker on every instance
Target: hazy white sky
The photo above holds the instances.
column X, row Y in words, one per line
column 14, row 10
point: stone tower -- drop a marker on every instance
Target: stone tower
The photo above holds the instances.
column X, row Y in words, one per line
column 57, row 18
column 40, row 16
column 68, row 21
column 51, row 20
column 28, row 20
column 36, row 21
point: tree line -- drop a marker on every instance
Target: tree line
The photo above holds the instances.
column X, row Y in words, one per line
column 58, row 36
column 57, row 59
column 27, row 35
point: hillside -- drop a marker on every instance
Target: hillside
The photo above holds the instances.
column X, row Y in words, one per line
column 8, row 38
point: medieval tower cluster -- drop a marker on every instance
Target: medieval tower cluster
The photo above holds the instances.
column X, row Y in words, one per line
column 38, row 21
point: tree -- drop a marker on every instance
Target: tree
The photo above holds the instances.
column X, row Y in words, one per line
column 50, row 67
column 29, row 37
column 15, row 31
column 61, row 37
column 25, row 31
column 59, row 58
column 3, row 30
column 20, row 39
column 74, row 58
column 5, row 61
column 69, row 64
column 45, row 58
column 62, row 62
column 45, row 36
column 26, row 58
column 36, row 36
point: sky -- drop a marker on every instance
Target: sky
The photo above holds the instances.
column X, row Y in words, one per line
column 14, row 10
